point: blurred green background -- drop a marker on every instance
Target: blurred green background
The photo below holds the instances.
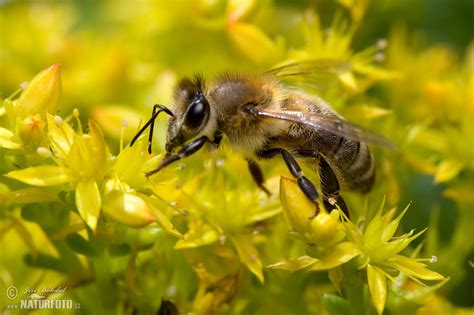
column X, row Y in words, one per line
column 118, row 58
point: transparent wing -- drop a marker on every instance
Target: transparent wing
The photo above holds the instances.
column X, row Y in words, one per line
column 334, row 125
column 307, row 67
column 312, row 75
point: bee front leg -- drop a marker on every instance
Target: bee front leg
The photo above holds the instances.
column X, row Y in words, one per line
column 330, row 187
column 257, row 175
column 157, row 109
column 187, row 150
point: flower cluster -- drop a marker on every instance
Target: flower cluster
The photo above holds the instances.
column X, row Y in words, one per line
column 334, row 240
column 80, row 162
column 76, row 208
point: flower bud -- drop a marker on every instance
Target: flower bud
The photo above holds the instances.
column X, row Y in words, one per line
column 240, row 9
column 326, row 229
column 30, row 130
column 127, row 209
column 296, row 206
column 42, row 93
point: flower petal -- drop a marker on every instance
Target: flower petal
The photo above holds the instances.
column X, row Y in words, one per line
column 372, row 234
column 336, row 256
column 248, row 255
column 292, row 265
column 413, row 268
column 160, row 217
column 391, row 228
column 199, row 234
column 390, row 249
column 447, row 170
column 127, row 209
column 88, row 202
column 45, row 175
column 61, row 135
column 111, row 118
column 377, row 287
column 6, row 139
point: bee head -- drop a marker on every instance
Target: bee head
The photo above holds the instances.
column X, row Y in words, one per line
column 191, row 112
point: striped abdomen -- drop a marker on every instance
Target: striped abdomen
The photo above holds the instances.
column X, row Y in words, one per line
column 352, row 163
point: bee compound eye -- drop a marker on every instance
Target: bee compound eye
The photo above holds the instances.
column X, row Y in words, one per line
column 196, row 113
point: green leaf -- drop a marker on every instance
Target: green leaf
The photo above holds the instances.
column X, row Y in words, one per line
column 420, row 295
column 80, row 245
column 45, row 261
column 26, row 236
column 28, row 195
column 88, row 202
column 119, row 249
column 335, row 304
column 45, row 175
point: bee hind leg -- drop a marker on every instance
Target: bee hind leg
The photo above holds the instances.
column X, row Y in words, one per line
column 305, row 184
column 330, row 187
column 257, row 175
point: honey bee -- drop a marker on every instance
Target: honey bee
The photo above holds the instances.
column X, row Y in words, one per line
column 263, row 118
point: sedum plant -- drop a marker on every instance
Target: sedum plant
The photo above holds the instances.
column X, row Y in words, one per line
column 199, row 237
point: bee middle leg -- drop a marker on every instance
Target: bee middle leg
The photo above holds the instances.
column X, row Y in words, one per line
column 303, row 182
column 330, row 187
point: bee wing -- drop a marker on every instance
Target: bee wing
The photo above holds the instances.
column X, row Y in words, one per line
column 334, row 125
column 307, row 67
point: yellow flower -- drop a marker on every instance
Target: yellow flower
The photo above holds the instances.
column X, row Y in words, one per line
column 333, row 242
column 324, row 230
column 225, row 214
column 324, row 233
column 380, row 252
column 81, row 159
column 26, row 115
column 30, row 130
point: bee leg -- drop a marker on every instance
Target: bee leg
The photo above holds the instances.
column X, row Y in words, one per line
column 305, row 184
column 257, row 175
column 157, row 109
column 330, row 187
column 187, row 150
